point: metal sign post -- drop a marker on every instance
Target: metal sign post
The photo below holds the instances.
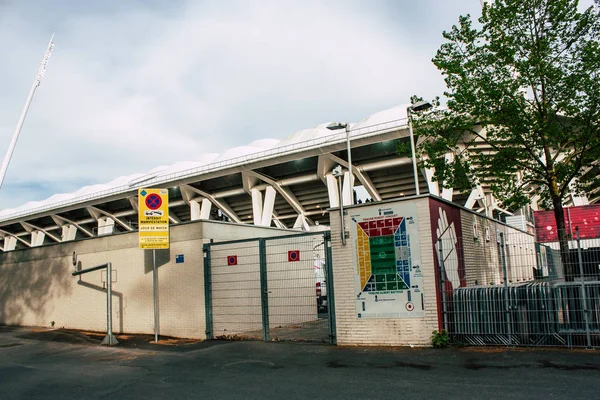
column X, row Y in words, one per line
column 153, row 226
column 109, row 339
column 155, row 294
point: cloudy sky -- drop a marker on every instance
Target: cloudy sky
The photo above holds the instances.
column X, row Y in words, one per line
column 133, row 84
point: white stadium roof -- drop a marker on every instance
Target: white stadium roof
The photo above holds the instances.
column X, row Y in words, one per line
column 393, row 118
column 286, row 182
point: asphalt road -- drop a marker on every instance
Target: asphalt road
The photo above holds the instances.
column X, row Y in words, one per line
column 44, row 364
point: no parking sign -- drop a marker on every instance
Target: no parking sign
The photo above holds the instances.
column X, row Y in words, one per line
column 231, row 260
column 153, row 218
column 293, row 255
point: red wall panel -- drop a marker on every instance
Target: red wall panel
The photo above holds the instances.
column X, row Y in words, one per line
column 587, row 218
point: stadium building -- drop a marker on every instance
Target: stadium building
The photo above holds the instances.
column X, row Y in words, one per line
column 250, row 227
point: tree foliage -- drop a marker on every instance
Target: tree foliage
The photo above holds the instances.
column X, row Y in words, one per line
column 523, row 102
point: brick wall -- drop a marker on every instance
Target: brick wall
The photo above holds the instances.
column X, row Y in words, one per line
column 382, row 331
column 483, row 264
column 36, row 285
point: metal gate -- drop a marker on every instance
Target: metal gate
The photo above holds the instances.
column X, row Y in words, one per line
column 276, row 288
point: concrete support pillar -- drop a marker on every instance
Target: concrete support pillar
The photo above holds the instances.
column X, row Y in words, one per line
column 433, row 186
column 194, row 210
column 576, row 198
column 472, row 199
column 579, row 200
column 301, row 222
column 262, row 211
column 257, row 206
column 332, row 190
column 106, row 226
column 489, row 205
column 10, row 243
column 267, row 212
column 348, row 195
column 37, row 238
column 68, row 232
column 447, row 193
column 534, row 202
column 205, row 209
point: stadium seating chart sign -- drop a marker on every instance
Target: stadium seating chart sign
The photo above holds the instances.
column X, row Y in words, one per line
column 387, row 256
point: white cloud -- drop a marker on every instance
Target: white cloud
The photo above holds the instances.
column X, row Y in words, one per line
column 129, row 90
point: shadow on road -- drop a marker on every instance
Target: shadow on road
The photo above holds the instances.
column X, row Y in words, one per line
column 77, row 337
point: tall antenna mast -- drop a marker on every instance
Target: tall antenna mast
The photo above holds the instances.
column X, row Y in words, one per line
column 36, row 83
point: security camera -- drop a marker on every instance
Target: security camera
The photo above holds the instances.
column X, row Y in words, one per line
column 75, row 261
column 337, row 171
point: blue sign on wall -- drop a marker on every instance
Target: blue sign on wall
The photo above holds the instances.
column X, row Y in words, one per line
column 179, row 259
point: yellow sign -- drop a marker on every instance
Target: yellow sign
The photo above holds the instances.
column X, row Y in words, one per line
column 153, row 218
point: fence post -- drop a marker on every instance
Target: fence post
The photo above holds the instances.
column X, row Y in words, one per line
column 264, row 298
column 442, row 283
column 506, row 302
column 583, row 295
column 208, row 292
column 329, row 284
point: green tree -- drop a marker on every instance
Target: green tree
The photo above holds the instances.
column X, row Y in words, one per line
column 523, row 103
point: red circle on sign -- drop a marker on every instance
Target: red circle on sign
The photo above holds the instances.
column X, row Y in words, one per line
column 231, row 260
column 153, row 201
column 410, row 306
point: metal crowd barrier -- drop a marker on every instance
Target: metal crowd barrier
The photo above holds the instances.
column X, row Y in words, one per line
column 529, row 314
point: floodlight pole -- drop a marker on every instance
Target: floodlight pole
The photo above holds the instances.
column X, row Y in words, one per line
column 337, row 173
column 36, row 83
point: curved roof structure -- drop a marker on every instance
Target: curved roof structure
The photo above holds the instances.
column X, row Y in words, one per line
column 287, row 182
column 319, row 134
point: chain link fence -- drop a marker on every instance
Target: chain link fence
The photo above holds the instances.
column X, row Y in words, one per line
column 272, row 289
column 512, row 290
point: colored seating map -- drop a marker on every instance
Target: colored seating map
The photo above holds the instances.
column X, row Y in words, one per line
column 383, row 255
column 388, row 275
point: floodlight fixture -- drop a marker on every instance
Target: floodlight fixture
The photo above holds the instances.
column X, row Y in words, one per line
column 337, row 171
column 420, row 106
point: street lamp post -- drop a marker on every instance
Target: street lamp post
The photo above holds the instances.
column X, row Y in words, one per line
column 346, row 126
column 337, row 172
column 418, row 106
column 350, row 172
